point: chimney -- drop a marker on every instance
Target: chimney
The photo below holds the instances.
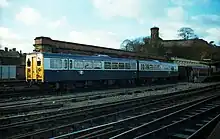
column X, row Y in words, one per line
column 6, row 49
column 14, row 49
column 154, row 33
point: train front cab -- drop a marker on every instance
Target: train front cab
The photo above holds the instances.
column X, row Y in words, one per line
column 34, row 68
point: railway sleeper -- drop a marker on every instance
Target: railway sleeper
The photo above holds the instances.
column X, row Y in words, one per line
column 183, row 128
column 135, row 120
column 79, row 127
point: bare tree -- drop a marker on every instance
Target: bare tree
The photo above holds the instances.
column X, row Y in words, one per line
column 127, row 45
column 187, row 33
column 212, row 43
column 143, row 45
column 132, row 45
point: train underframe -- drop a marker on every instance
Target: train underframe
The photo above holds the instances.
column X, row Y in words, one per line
column 105, row 84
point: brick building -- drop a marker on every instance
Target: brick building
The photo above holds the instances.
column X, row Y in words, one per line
column 11, row 57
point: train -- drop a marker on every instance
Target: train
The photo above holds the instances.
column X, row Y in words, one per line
column 74, row 70
column 12, row 72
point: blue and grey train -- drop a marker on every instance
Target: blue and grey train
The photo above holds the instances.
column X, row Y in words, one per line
column 50, row 68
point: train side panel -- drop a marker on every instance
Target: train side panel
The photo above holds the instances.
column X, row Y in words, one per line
column 66, row 69
column 190, row 73
column 7, row 72
column 87, row 75
column 20, row 72
column 149, row 69
column 184, row 73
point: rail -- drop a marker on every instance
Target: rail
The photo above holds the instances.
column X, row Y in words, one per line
column 108, row 114
column 147, row 122
column 92, row 113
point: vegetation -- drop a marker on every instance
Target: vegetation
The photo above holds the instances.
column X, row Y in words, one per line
column 144, row 45
column 198, row 50
column 187, row 33
column 133, row 45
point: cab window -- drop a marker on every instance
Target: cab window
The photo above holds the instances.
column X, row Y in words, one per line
column 28, row 62
column 38, row 63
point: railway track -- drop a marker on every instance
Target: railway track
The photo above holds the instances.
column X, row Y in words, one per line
column 18, row 93
column 196, row 125
column 12, row 83
column 187, row 120
column 22, row 96
column 184, row 123
column 26, row 106
column 88, row 117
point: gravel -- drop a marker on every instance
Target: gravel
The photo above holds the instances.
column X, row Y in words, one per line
column 177, row 88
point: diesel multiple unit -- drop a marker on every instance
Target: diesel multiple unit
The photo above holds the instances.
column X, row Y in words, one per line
column 50, row 68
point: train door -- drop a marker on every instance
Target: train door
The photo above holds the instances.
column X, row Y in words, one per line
column 34, row 67
column 190, row 73
column 31, row 67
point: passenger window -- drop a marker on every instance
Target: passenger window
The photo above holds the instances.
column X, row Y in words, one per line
column 114, row 65
column 155, row 67
column 52, row 63
column 121, row 65
column 28, row 62
column 107, row 65
column 55, row 63
column 127, row 66
column 88, row 64
column 59, row 63
column 78, row 64
column 97, row 64
column 133, row 65
column 71, row 64
column 65, row 64
column 147, row 66
column 158, row 67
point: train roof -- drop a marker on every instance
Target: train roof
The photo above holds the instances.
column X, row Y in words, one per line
column 169, row 63
column 84, row 57
column 199, row 67
column 98, row 57
column 158, row 62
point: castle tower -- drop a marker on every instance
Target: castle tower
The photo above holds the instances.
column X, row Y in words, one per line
column 154, row 33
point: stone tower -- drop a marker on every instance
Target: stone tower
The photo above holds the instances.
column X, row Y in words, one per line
column 154, row 36
column 154, row 33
